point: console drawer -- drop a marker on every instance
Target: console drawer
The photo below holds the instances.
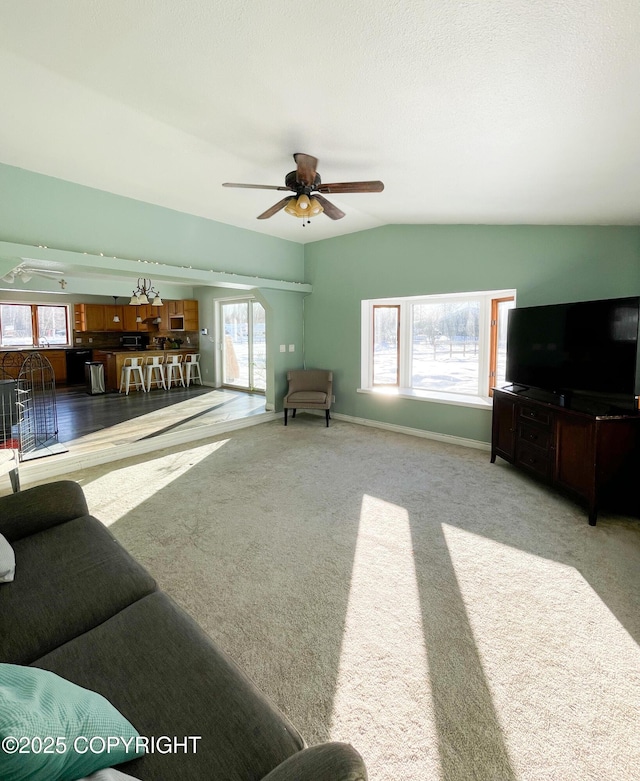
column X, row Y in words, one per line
column 541, row 416
column 531, row 457
column 539, row 436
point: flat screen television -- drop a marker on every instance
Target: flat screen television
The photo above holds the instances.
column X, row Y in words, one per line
column 585, row 347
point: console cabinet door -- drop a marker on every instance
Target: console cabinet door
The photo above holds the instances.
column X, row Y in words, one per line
column 503, row 435
column 575, row 455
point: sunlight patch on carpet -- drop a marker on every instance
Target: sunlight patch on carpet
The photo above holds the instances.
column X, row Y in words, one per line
column 116, row 493
column 544, row 637
column 382, row 693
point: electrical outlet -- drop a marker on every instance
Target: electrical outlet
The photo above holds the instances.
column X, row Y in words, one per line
column 333, row 399
column 292, row 348
column 90, row 341
column 283, row 348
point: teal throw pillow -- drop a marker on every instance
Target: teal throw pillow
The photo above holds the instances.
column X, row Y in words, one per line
column 53, row 730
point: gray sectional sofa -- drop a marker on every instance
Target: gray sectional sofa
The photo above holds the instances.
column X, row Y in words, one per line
column 81, row 607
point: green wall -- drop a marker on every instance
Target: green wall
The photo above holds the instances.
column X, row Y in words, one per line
column 37, row 209
column 545, row 264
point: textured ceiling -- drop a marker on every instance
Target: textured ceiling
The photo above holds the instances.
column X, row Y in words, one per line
column 484, row 111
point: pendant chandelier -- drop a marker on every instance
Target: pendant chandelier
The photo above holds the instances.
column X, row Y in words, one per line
column 145, row 294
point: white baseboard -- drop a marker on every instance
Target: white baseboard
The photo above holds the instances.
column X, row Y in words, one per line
column 414, row 432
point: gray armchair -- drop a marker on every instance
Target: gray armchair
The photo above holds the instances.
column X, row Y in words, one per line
column 309, row 389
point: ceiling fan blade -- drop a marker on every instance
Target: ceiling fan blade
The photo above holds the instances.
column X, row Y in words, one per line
column 352, row 187
column 276, row 207
column 255, row 186
column 329, row 209
column 306, row 173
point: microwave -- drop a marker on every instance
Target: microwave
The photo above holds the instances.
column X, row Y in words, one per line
column 135, row 341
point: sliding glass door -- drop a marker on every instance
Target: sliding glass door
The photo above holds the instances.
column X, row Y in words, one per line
column 244, row 346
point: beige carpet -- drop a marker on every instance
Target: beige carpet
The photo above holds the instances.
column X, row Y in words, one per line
column 450, row 618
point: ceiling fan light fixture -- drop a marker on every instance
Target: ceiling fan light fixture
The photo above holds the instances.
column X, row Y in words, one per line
column 315, row 207
column 304, row 182
column 292, row 209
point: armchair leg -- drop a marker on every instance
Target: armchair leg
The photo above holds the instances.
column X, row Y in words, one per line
column 294, row 414
column 285, row 416
column 326, row 412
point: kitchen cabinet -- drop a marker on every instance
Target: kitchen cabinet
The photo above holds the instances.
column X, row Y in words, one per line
column 95, row 317
column 174, row 316
column 145, row 312
column 190, row 311
column 58, row 361
column 112, row 311
column 89, row 317
column 181, row 315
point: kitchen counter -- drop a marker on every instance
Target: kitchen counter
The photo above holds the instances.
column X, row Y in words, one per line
column 112, row 361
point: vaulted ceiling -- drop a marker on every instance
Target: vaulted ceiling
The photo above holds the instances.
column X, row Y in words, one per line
column 500, row 111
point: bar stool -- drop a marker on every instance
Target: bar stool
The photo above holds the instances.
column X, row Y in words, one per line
column 192, row 367
column 154, row 371
column 173, row 370
column 131, row 374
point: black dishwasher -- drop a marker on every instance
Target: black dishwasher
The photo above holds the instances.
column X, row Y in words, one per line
column 76, row 360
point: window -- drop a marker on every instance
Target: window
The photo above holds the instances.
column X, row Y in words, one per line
column 442, row 347
column 33, row 325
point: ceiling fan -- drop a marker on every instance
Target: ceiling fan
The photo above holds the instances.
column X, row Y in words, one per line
column 24, row 273
column 305, row 182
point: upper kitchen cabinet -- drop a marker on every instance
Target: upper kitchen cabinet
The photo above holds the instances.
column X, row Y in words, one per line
column 144, row 312
column 89, row 317
column 110, row 313
column 179, row 316
column 190, row 315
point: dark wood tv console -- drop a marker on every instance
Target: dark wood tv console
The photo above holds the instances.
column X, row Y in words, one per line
column 593, row 457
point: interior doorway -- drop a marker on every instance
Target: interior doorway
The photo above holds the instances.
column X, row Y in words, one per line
column 244, row 345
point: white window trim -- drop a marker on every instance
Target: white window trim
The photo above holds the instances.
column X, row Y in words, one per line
column 405, row 391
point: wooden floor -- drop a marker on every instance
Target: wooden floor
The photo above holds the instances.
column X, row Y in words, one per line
column 107, row 427
column 83, row 417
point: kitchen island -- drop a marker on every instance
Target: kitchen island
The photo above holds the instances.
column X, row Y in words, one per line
column 112, row 361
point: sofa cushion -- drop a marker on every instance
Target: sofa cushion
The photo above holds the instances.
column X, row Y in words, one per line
column 40, row 507
column 61, row 731
column 7, row 561
column 71, row 577
column 165, row 675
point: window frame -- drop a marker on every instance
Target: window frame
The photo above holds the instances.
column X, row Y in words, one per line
column 35, row 329
column 374, row 308
column 487, row 346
